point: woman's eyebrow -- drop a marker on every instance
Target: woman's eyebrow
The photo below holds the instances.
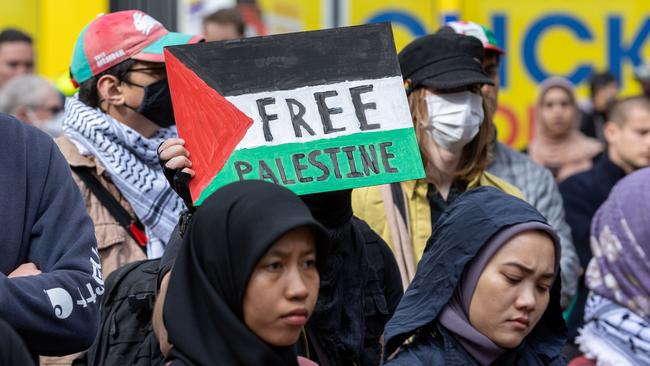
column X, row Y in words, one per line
column 275, row 252
column 309, row 251
column 528, row 270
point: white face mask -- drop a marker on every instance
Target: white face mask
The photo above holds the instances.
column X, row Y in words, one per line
column 52, row 126
column 454, row 118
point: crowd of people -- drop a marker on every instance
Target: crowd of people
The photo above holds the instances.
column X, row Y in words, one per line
column 495, row 257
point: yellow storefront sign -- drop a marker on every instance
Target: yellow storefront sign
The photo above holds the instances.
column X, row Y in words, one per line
column 54, row 25
column 541, row 38
column 284, row 16
column 559, row 38
column 410, row 18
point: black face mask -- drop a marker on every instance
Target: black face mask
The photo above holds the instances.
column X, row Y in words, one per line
column 156, row 104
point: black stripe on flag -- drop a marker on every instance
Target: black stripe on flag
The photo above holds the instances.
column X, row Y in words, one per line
column 289, row 61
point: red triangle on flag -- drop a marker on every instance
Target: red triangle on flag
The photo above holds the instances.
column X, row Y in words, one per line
column 210, row 125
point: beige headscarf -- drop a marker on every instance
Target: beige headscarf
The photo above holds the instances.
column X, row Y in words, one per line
column 568, row 154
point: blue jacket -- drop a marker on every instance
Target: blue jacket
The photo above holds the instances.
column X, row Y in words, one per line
column 464, row 228
column 44, row 221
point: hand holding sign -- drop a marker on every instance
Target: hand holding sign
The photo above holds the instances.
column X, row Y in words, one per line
column 314, row 111
column 175, row 156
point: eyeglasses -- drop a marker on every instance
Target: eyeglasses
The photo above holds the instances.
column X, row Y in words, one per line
column 16, row 64
column 55, row 109
column 157, row 71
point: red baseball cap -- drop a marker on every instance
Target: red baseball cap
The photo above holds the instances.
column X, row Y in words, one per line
column 115, row 37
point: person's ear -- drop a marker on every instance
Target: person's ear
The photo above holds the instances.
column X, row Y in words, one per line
column 110, row 89
column 611, row 131
column 21, row 114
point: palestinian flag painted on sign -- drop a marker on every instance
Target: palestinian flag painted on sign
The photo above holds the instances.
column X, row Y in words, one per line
column 313, row 111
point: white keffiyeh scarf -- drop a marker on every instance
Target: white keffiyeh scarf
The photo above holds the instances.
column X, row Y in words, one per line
column 131, row 161
column 614, row 335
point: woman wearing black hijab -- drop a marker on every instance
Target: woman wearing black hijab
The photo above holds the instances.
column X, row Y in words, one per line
column 360, row 281
column 485, row 292
column 245, row 280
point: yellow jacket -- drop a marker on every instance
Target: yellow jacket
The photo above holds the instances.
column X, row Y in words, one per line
column 368, row 204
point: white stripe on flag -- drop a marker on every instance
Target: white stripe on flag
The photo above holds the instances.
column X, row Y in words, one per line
column 391, row 111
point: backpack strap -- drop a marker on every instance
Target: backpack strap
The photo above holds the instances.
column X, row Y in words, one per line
column 119, row 213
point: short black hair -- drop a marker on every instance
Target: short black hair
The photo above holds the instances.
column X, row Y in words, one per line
column 599, row 81
column 14, row 35
column 227, row 16
column 88, row 89
column 497, row 54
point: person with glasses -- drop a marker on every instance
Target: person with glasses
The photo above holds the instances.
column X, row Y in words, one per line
column 112, row 128
column 35, row 101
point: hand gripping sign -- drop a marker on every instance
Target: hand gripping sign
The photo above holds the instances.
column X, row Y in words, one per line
column 313, row 111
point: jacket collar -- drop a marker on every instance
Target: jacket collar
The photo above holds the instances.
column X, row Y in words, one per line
column 607, row 167
column 71, row 153
column 410, row 187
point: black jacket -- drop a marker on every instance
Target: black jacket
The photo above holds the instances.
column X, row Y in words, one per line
column 331, row 340
column 434, row 345
column 592, row 125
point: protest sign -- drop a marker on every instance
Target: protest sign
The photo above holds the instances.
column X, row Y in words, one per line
column 313, row 111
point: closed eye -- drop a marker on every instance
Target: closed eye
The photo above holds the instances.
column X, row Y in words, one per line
column 543, row 289
column 512, row 279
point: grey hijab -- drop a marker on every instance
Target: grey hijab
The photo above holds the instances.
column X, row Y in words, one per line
column 455, row 315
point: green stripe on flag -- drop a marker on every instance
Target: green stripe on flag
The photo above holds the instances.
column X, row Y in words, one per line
column 356, row 160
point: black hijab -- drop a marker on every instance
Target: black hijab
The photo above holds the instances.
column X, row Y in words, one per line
column 228, row 235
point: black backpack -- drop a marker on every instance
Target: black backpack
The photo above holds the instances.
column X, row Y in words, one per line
column 126, row 335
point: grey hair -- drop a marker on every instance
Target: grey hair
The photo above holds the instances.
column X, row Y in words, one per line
column 26, row 90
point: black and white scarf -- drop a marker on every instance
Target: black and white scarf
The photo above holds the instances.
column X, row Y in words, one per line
column 614, row 335
column 131, row 161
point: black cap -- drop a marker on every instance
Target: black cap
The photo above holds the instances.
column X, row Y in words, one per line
column 443, row 61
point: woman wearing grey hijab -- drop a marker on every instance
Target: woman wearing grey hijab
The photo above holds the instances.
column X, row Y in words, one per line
column 485, row 292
